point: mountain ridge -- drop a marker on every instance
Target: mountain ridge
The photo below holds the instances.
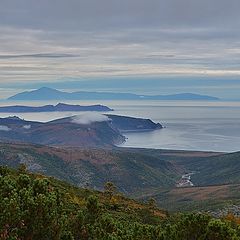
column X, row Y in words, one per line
column 46, row 93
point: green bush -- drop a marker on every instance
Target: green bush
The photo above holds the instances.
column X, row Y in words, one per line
column 39, row 209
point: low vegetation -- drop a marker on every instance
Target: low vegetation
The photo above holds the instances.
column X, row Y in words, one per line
column 33, row 206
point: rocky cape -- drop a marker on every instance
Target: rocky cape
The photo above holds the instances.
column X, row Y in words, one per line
column 86, row 130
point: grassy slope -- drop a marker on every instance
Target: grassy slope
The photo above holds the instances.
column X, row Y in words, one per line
column 195, row 198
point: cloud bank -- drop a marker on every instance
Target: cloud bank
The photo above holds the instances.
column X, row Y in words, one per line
column 49, row 40
column 88, row 118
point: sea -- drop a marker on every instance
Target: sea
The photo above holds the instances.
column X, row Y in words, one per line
column 188, row 125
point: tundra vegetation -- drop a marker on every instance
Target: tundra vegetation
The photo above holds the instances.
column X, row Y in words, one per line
column 33, row 206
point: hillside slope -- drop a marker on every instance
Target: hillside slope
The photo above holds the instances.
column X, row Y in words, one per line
column 130, row 171
column 64, row 134
column 216, row 170
column 37, row 207
column 216, row 181
column 139, row 173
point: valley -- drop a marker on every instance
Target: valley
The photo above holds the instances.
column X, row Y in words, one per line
column 138, row 173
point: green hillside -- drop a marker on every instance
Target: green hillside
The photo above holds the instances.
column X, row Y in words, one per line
column 137, row 173
column 129, row 170
column 214, row 170
column 35, row 207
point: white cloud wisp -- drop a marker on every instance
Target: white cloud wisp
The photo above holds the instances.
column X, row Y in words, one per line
column 88, row 118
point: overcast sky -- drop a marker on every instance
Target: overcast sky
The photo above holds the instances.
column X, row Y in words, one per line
column 52, row 41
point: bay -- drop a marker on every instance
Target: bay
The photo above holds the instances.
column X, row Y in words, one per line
column 189, row 125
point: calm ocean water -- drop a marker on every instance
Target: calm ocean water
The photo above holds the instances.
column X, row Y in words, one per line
column 190, row 125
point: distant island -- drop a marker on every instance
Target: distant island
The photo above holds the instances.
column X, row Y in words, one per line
column 60, row 107
column 45, row 93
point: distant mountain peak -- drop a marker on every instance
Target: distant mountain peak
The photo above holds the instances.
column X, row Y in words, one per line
column 43, row 93
column 46, row 93
column 44, row 88
column 47, row 89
